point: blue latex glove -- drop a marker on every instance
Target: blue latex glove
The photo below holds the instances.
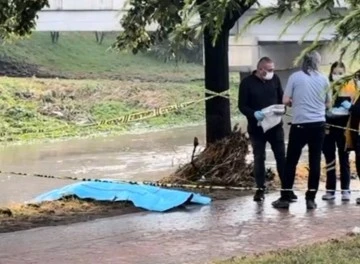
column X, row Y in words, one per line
column 259, row 115
column 346, row 105
column 329, row 112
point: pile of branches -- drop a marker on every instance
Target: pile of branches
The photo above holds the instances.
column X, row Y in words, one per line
column 222, row 163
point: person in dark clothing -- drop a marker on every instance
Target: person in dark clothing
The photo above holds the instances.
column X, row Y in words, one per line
column 307, row 92
column 335, row 137
column 259, row 90
column 352, row 136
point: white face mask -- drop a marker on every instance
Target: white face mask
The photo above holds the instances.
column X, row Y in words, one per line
column 269, row 75
column 336, row 77
column 358, row 84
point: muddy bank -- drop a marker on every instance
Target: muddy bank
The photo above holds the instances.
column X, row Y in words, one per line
column 16, row 218
column 69, row 211
column 13, row 68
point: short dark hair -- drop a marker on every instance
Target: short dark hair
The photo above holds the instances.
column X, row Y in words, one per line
column 264, row 59
column 336, row 64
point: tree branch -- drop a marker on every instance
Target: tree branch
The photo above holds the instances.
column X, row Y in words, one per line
column 236, row 11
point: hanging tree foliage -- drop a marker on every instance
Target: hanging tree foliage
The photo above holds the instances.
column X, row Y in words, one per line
column 345, row 21
column 17, row 17
column 179, row 23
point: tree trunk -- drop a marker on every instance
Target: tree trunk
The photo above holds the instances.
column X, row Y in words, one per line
column 218, row 120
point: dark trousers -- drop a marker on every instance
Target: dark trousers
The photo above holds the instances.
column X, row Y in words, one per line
column 311, row 134
column 357, row 155
column 335, row 138
column 275, row 137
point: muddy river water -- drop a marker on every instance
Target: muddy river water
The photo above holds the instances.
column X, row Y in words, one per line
column 146, row 156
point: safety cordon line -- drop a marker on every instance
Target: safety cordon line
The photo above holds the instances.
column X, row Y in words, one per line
column 137, row 116
column 157, row 111
column 160, row 184
column 335, row 126
column 119, row 181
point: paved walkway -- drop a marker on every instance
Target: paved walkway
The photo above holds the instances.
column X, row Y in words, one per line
column 196, row 235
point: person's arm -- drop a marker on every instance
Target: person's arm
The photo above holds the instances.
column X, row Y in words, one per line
column 280, row 92
column 328, row 95
column 351, row 89
column 244, row 95
column 355, row 110
column 288, row 94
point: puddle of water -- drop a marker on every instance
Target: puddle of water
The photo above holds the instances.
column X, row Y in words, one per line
column 138, row 157
column 195, row 235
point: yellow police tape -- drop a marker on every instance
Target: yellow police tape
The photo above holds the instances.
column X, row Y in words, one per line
column 126, row 118
column 335, row 126
column 160, row 184
column 157, row 111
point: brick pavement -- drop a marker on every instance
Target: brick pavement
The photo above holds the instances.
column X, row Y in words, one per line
column 196, row 235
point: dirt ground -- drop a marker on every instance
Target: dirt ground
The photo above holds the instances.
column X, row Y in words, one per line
column 23, row 217
column 12, row 68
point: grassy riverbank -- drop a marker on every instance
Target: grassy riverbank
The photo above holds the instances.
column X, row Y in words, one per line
column 42, row 108
column 84, row 82
column 95, row 84
column 332, row 252
column 78, row 56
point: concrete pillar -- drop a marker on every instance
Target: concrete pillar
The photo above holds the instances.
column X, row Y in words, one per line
column 243, row 53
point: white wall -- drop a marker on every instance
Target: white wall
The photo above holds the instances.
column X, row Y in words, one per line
column 264, row 40
column 244, row 52
column 86, row 5
column 105, row 15
column 245, row 57
column 106, row 4
column 89, row 20
column 284, row 54
column 271, row 28
column 79, row 21
column 119, row 4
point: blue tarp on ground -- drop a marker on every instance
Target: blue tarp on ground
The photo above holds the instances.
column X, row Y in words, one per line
column 147, row 197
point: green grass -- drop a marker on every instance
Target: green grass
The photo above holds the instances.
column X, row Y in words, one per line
column 78, row 55
column 58, row 108
column 103, row 84
column 333, row 252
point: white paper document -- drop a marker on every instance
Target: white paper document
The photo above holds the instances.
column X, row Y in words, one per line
column 273, row 116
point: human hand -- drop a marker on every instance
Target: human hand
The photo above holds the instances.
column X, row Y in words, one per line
column 290, row 103
column 329, row 113
column 259, row 115
column 279, row 110
column 346, row 105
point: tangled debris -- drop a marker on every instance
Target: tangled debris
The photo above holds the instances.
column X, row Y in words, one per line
column 222, row 163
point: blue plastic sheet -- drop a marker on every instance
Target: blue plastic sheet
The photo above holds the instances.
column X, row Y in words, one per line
column 143, row 196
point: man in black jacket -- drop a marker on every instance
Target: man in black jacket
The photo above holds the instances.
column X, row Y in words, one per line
column 257, row 91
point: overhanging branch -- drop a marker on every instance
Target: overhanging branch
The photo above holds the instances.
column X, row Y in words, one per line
column 235, row 10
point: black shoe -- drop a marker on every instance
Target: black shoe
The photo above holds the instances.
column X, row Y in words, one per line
column 259, row 196
column 358, row 200
column 281, row 203
column 310, row 204
column 292, row 197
